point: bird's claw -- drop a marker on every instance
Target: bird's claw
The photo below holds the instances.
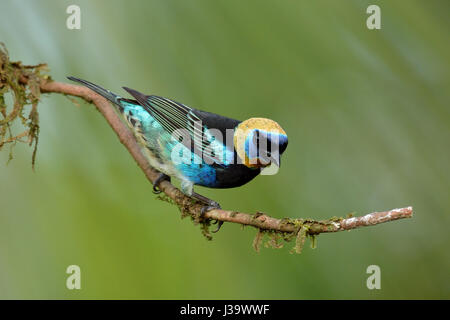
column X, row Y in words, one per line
column 219, row 225
column 205, row 209
column 160, row 178
column 156, row 190
column 212, row 205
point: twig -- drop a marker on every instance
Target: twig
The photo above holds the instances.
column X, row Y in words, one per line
column 260, row 221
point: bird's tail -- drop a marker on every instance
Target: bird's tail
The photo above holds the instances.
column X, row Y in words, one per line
column 101, row 91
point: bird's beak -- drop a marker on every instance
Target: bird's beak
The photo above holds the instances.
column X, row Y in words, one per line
column 276, row 160
column 273, row 167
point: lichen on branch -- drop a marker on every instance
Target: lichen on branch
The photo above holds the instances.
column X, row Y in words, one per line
column 25, row 98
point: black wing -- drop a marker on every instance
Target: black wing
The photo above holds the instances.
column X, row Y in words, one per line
column 172, row 115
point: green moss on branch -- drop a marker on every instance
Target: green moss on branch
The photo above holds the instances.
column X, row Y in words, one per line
column 25, row 98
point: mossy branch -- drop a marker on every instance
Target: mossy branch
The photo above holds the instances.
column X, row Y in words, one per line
column 28, row 82
column 10, row 75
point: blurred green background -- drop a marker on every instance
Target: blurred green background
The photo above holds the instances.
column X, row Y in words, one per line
column 367, row 114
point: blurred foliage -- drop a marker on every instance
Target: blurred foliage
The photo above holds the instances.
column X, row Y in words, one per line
column 366, row 111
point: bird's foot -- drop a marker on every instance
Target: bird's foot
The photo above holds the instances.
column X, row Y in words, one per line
column 213, row 205
column 205, row 209
column 158, row 180
column 210, row 205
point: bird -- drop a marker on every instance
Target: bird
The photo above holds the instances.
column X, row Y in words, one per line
column 197, row 147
